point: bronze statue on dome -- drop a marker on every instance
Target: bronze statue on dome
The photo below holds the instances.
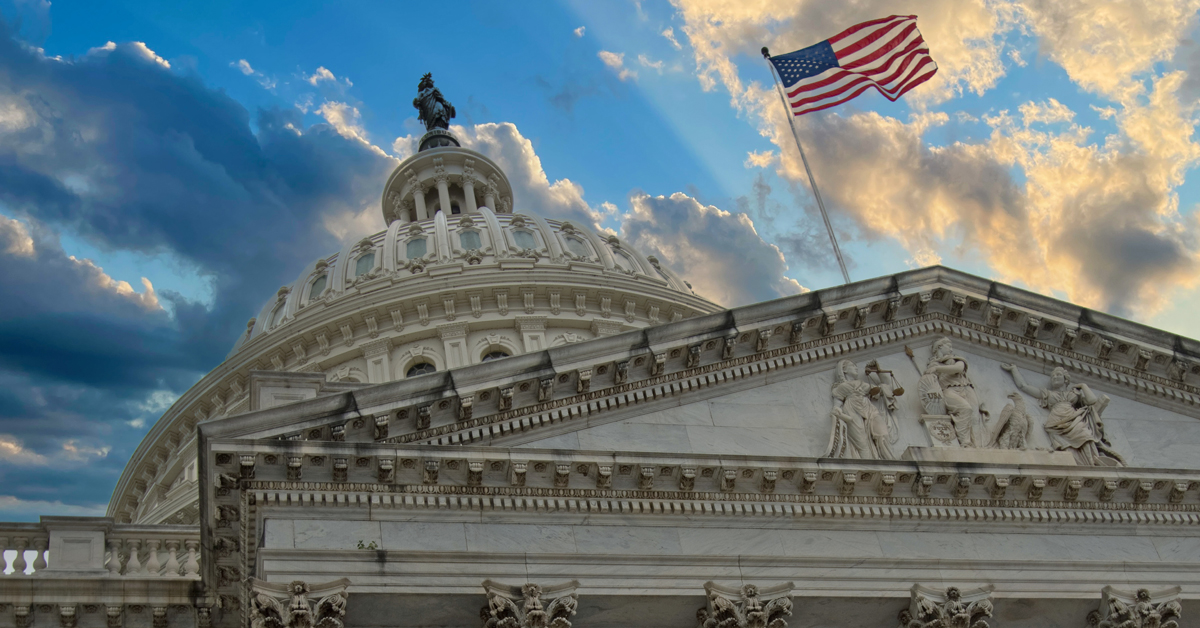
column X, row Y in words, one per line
column 434, row 110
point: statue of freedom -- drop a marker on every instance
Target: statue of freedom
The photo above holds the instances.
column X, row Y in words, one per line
column 435, row 110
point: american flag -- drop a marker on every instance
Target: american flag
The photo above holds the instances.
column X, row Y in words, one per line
column 887, row 54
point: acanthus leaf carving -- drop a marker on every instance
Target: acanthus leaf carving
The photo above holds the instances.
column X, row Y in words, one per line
column 1138, row 609
column 502, row 610
column 745, row 607
column 278, row 605
column 929, row 608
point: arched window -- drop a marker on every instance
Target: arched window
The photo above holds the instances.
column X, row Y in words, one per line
column 318, row 286
column 420, row 368
column 276, row 316
column 623, row 261
column 524, row 239
column 494, row 355
column 364, row 264
column 576, row 246
column 469, row 239
column 416, row 248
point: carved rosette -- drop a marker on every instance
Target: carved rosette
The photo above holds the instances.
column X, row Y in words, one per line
column 502, row 610
column 1137, row 609
column 278, row 605
column 745, row 607
column 929, row 608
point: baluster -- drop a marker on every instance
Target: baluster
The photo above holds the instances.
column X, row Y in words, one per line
column 114, row 557
column 191, row 568
column 3, row 560
column 152, row 564
column 172, row 559
column 133, row 567
column 39, row 561
column 19, row 564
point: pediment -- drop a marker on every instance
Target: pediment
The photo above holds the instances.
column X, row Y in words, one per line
column 760, row 380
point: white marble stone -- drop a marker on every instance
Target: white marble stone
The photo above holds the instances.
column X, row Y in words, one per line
column 513, row 538
column 332, row 534
column 423, row 536
column 279, row 533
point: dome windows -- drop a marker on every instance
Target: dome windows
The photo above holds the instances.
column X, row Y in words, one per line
column 364, row 264
column 469, row 239
column 416, row 247
column 276, row 316
column 318, row 287
column 420, row 368
column 577, row 247
column 623, row 261
column 495, row 354
column 524, row 239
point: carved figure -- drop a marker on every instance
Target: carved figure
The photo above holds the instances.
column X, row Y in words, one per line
column 1074, row 422
column 745, row 607
column 945, row 389
column 433, row 109
column 501, row 610
column 860, row 429
column 952, row 610
column 268, row 608
column 1141, row 612
column 1012, row 429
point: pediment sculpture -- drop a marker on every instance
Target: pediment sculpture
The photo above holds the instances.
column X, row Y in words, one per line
column 747, row 607
column 502, row 611
column 1074, row 424
column 945, row 389
column 864, row 422
column 277, row 605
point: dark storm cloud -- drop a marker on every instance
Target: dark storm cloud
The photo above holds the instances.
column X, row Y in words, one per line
column 119, row 149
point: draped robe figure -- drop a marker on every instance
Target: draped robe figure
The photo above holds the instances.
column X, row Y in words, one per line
column 860, row 430
column 945, row 388
column 433, row 109
column 1074, row 424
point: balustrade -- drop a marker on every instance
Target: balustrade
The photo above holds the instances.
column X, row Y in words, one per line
column 96, row 547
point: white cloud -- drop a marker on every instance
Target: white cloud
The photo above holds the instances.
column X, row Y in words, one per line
column 15, row 237
column 324, row 75
column 147, row 299
column 12, row 507
column 616, row 62
column 669, row 33
column 13, row 451
column 137, row 48
column 647, row 62
column 760, row 159
column 699, row 242
column 74, row 451
column 245, row 68
column 579, row 31
column 1015, row 55
column 347, row 121
column 1104, row 46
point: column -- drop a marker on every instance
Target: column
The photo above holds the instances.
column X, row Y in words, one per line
column 419, row 199
column 443, row 188
column 489, row 198
column 469, row 192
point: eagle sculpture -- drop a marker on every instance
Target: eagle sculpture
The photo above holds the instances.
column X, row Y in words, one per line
column 1013, row 426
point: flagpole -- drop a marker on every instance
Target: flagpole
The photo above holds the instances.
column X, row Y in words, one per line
column 817, row 193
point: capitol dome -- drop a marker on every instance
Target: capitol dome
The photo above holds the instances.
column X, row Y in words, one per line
column 459, row 277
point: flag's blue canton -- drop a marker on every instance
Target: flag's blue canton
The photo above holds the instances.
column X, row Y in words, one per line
column 806, row 62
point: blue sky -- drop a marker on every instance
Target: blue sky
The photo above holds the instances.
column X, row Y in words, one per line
column 164, row 167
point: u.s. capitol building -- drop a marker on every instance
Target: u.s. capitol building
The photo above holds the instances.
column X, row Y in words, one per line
column 481, row 417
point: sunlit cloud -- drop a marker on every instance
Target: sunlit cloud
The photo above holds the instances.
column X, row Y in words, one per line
column 616, row 62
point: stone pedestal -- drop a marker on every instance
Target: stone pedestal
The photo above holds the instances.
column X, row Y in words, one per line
column 941, row 430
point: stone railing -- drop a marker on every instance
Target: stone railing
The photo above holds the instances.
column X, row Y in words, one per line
column 74, row 547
